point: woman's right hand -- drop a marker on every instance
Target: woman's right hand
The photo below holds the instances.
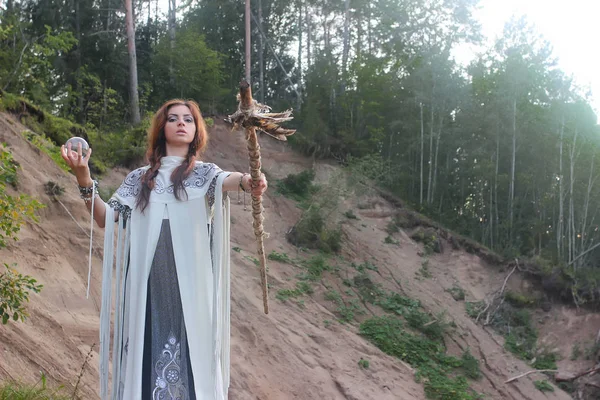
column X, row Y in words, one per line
column 78, row 163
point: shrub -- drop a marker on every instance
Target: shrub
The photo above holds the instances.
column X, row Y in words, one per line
column 14, row 294
column 297, row 186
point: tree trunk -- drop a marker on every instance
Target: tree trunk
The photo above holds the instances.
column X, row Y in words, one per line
column 133, row 80
column 561, row 199
column 299, row 84
column 172, row 21
column 586, row 206
column 261, row 55
column 308, row 37
column 429, row 180
column 497, row 214
column 248, row 41
column 435, row 158
column 422, row 149
column 571, row 221
column 346, row 44
column 511, row 193
column 78, row 89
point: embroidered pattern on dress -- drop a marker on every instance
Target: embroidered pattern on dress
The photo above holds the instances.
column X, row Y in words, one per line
column 133, row 182
column 169, row 383
column 123, row 210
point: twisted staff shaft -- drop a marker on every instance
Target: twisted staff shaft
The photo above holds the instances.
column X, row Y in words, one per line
column 247, row 106
column 257, row 212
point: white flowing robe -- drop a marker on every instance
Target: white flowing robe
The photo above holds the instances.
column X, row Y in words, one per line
column 202, row 272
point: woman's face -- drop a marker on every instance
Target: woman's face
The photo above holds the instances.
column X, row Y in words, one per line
column 180, row 127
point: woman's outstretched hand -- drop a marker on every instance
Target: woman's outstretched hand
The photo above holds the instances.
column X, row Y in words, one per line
column 78, row 163
column 257, row 189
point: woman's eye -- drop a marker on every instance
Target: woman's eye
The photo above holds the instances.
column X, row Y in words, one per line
column 188, row 120
column 172, row 119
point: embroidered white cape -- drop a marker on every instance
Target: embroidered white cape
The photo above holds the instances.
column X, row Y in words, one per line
column 202, row 271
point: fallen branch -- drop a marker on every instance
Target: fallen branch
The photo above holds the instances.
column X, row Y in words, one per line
column 529, row 372
column 578, row 375
column 501, row 295
column 495, row 297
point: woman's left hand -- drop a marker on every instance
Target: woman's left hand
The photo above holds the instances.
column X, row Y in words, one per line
column 257, row 189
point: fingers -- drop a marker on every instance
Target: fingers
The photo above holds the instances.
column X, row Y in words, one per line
column 259, row 187
column 88, row 155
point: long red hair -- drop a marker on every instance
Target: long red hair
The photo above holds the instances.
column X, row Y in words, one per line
column 157, row 149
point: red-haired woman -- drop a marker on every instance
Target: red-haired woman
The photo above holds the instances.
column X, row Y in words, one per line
column 171, row 322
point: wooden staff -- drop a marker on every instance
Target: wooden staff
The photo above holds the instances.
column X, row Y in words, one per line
column 253, row 116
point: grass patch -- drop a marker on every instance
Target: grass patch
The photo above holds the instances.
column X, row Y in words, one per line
column 346, row 310
column 363, row 363
column 39, row 391
column 457, row 293
column 543, row 386
column 433, row 366
column 301, row 289
column 280, row 257
column 470, row 365
column 424, row 271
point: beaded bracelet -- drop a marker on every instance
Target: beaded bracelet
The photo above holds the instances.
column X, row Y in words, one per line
column 86, row 192
column 241, row 186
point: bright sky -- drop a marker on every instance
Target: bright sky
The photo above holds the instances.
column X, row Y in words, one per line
column 571, row 26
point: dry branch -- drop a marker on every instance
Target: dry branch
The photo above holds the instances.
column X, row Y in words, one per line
column 527, row 373
column 496, row 298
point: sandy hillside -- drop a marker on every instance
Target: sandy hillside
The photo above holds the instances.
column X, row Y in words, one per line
column 299, row 350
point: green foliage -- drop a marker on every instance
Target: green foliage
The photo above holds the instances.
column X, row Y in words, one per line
column 520, row 300
column 40, row 391
column 473, row 308
column 543, row 386
column 390, row 240
column 398, row 304
column 14, row 210
column 424, row 271
column 363, row 363
column 297, row 186
column 346, row 309
column 312, row 232
column 301, row 289
column 470, row 365
column 576, row 351
column 545, row 360
column 198, row 75
column 209, row 122
column 125, row 147
column 14, row 294
column 315, row 267
column 52, row 188
column 350, row 214
column 280, row 257
column 424, row 354
column 457, row 293
column 44, row 144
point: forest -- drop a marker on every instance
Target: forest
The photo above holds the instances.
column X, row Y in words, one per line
column 502, row 150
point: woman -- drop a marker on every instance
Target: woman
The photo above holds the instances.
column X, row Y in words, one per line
column 171, row 325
